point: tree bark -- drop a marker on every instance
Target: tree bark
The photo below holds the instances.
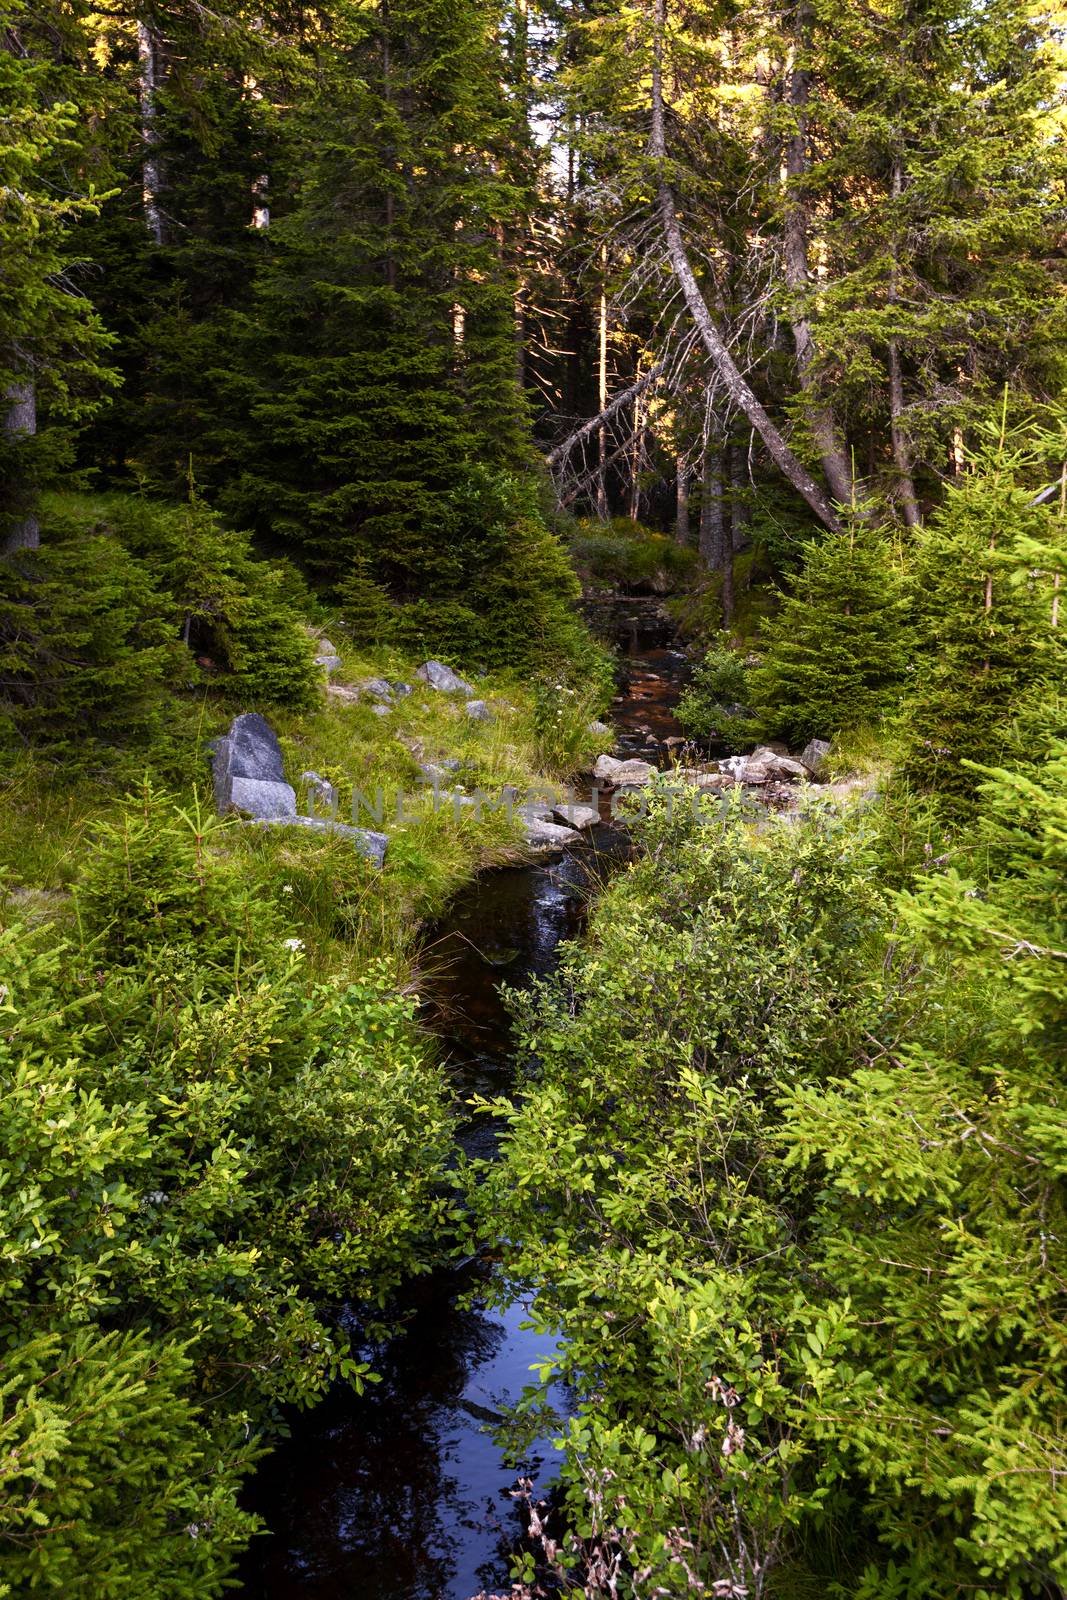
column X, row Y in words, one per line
column 148, row 86
column 635, row 463
column 602, row 399
column 819, row 413
column 905, row 483
column 733, row 382
column 622, row 399
column 20, row 425
column 738, row 500
column 715, row 544
column 909, row 503
column 681, row 519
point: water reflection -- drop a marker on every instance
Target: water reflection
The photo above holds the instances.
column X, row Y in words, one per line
column 401, row 1494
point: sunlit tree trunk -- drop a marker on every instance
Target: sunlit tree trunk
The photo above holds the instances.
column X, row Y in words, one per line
column 602, row 397
column 736, row 386
column 148, row 87
column 20, row 425
column 819, row 413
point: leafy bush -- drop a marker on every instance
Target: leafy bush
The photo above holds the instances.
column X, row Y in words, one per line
column 224, row 1151
column 797, row 1175
column 626, row 555
column 713, row 703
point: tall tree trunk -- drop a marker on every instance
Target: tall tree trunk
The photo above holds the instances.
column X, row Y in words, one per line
column 635, row 463
column 738, row 498
column 819, row 413
column 602, row 397
column 729, row 376
column 261, row 182
column 715, row 543
column 148, row 87
column 681, row 519
column 909, row 503
column 20, row 426
column 905, row 483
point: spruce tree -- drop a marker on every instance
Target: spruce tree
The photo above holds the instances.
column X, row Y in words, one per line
column 836, row 653
column 985, row 640
column 53, row 348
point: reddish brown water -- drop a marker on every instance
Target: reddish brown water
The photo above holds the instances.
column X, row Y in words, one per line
column 401, row 1493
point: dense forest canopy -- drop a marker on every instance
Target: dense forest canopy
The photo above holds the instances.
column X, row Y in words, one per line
column 340, row 338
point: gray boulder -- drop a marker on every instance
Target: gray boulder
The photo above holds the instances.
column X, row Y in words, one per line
column 619, row 773
column 248, row 772
column 442, row 678
column 377, row 688
column 478, row 711
column 779, row 763
column 573, row 815
column 249, row 777
column 326, row 656
column 380, row 710
column 599, row 728
column 549, row 835
column 745, row 769
column 814, row 755
column 324, row 792
column 369, row 843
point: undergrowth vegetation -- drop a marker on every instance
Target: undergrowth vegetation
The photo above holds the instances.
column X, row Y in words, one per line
column 793, row 1144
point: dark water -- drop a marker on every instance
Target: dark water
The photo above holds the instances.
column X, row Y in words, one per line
column 401, row 1493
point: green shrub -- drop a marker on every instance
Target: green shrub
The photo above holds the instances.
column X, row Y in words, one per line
column 985, row 646
column 625, row 555
column 92, row 627
column 225, row 1150
column 794, row 1152
column 237, row 611
column 87, row 644
column 713, row 704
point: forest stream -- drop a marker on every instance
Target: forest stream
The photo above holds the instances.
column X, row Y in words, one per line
column 401, row 1493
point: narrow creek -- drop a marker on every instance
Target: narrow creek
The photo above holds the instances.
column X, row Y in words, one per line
column 401, row 1493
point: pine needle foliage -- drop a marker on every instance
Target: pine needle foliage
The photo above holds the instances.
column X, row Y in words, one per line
column 836, row 653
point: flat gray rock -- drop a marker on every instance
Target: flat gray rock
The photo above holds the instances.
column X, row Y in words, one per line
column 381, row 711
column 264, row 802
column 574, row 815
column 377, row 688
column 620, row 773
column 549, row 835
column 478, row 711
column 369, row 843
column 442, row 678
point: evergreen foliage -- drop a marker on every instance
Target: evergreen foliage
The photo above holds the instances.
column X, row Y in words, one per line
column 836, row 653
column 106, row 621
column 985, row 643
